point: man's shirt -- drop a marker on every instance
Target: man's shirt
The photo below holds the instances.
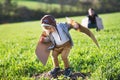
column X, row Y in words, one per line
column 92, row 19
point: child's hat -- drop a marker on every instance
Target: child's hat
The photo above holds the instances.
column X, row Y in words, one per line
column 48, row 20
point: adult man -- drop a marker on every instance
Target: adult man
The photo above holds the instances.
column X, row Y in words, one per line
column 92, row 20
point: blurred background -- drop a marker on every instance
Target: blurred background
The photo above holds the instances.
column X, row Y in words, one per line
column 29, row 10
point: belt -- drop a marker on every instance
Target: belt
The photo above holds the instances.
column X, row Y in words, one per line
column 66, row 43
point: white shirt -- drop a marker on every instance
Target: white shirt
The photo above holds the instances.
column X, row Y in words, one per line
column 60, row 38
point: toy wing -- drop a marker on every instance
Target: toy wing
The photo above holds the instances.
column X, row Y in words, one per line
column 80, row 28
column 42, row 51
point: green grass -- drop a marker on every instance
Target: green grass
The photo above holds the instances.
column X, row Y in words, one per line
column 18, row 43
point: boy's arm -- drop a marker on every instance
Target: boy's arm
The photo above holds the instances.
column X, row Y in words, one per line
column 44, row 38
column 80, row 28
column 72, row 24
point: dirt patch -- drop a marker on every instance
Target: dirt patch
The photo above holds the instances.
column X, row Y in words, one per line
column 74, row 75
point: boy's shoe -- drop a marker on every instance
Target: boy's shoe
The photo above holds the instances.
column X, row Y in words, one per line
column 68, row 72
column 54, row 71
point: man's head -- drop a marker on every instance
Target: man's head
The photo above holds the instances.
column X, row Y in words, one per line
column 91, row 11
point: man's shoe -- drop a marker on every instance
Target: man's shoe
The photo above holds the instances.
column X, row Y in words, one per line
column 54, row 71
column 68, row 72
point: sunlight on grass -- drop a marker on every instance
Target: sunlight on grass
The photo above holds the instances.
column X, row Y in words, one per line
column 18, row 43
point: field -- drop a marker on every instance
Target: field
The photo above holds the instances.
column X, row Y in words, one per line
column 18, row 43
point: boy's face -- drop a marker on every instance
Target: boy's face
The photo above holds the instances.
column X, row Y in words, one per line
column 49, row 28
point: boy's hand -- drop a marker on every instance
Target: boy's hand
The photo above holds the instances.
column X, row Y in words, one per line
column 74, row 24
column 42, row 39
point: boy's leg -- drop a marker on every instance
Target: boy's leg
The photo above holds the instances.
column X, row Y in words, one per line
column 64, row 56
column 65, row 52
column 56, row 68
column 55, row 58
